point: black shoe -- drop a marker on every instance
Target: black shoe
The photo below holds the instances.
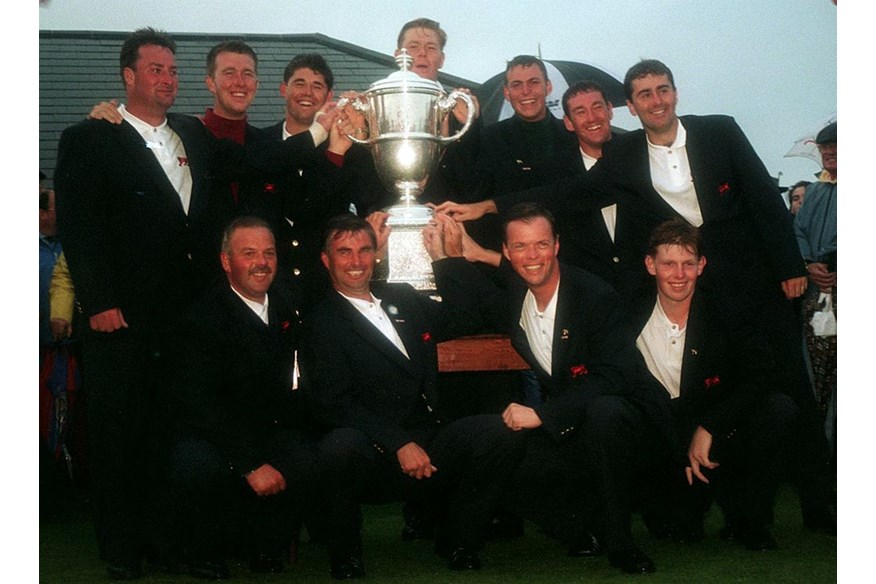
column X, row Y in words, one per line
column 631, row 561
column 505, row 526
column 265, row 563
column 210, row 570
column 821, row 518
column 729, row 532
column 687, row 532
column 758, row 539
column 587, row 546
column 417, row 525
column 410, row 533
column 347, row 568
column 462, row 559
column 119, row 572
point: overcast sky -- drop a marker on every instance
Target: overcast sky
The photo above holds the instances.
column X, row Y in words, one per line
column 772, row 65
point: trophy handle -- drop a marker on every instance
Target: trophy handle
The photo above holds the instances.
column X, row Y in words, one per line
column 448, row 104
column 359, row 106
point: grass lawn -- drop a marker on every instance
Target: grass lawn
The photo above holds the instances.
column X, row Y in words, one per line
column 68, row 555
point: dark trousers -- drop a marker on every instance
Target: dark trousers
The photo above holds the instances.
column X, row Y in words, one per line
column 552, row 486
column 214, row 503
column 123, row 373
column 474, row 456
column 751, row 457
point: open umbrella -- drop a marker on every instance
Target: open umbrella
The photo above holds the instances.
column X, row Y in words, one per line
column 562, row 74
column 805, row 146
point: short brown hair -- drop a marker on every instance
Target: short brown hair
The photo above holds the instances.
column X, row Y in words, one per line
column 346, row 224
column 426, row 23
column 676, row 232
column 232, row 46
column 528, row 212
column 140, row 38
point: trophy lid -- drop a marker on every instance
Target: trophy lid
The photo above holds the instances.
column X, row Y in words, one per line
column 404, row 79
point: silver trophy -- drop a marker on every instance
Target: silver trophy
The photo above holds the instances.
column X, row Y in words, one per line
column 404, row 113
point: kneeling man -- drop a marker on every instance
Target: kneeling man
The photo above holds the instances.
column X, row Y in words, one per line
column 241, row 448
column 732, row 413
column 371, row 369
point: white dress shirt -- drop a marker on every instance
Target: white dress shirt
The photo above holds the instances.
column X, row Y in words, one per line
column 661, row 343
column 170, row 152
column 671, row 177
column 539, row 328
column 372, row 310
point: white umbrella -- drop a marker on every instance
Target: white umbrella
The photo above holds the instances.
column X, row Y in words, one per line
column 805, row 146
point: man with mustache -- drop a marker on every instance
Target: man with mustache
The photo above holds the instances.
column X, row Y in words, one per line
column 240, row 448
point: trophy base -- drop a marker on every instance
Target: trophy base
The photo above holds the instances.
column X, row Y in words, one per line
column 406, row 256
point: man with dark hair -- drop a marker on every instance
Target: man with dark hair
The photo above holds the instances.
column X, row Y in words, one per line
column 734, row 418
column 371, row 371
column 596, row 394
column 140, row 228
column 530, row 149
column 240, row 449
column 339, row 178
column 796, row 195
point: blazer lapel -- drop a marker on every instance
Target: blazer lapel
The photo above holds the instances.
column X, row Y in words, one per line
column 696, row 156
column 691, row 374
column 371, row 335
column 562, row 338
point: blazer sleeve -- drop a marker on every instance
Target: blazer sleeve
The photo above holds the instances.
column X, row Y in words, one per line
column 83, row 215
column 772, row 220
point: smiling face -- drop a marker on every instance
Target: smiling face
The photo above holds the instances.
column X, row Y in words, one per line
column 305, row 94
column 526, row 89
column 828, row 157
column 152, row 84
column 424, row 46
column 531, row 247
column 349, row 258
column 653, row 101
column 233, row 84
column 250, row 262
column 676, row 269
column 590, row 118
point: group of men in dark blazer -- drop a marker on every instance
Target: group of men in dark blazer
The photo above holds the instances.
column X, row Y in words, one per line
column 704, row 171
column 143, row 206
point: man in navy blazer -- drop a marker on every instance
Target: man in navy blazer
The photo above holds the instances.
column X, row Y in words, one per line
column 140, row 224
column 370, row 371
column 241, row 447
column 596, row 394
column 734, row 417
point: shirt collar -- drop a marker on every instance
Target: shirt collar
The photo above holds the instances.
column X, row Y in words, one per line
column 139, row 124
column 679, row 142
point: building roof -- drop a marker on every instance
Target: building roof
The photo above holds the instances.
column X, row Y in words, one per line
column 79, row 69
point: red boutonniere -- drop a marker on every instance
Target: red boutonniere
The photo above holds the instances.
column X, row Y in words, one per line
column 710, row 381
column 183, row 161
column 578, row 371
column 284, row 326
column 427, row 336
column 269, row 187
column 723, row 189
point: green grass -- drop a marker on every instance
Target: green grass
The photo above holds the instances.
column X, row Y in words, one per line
column 68, row 555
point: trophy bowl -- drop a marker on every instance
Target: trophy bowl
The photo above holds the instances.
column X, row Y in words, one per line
column 404, row 113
